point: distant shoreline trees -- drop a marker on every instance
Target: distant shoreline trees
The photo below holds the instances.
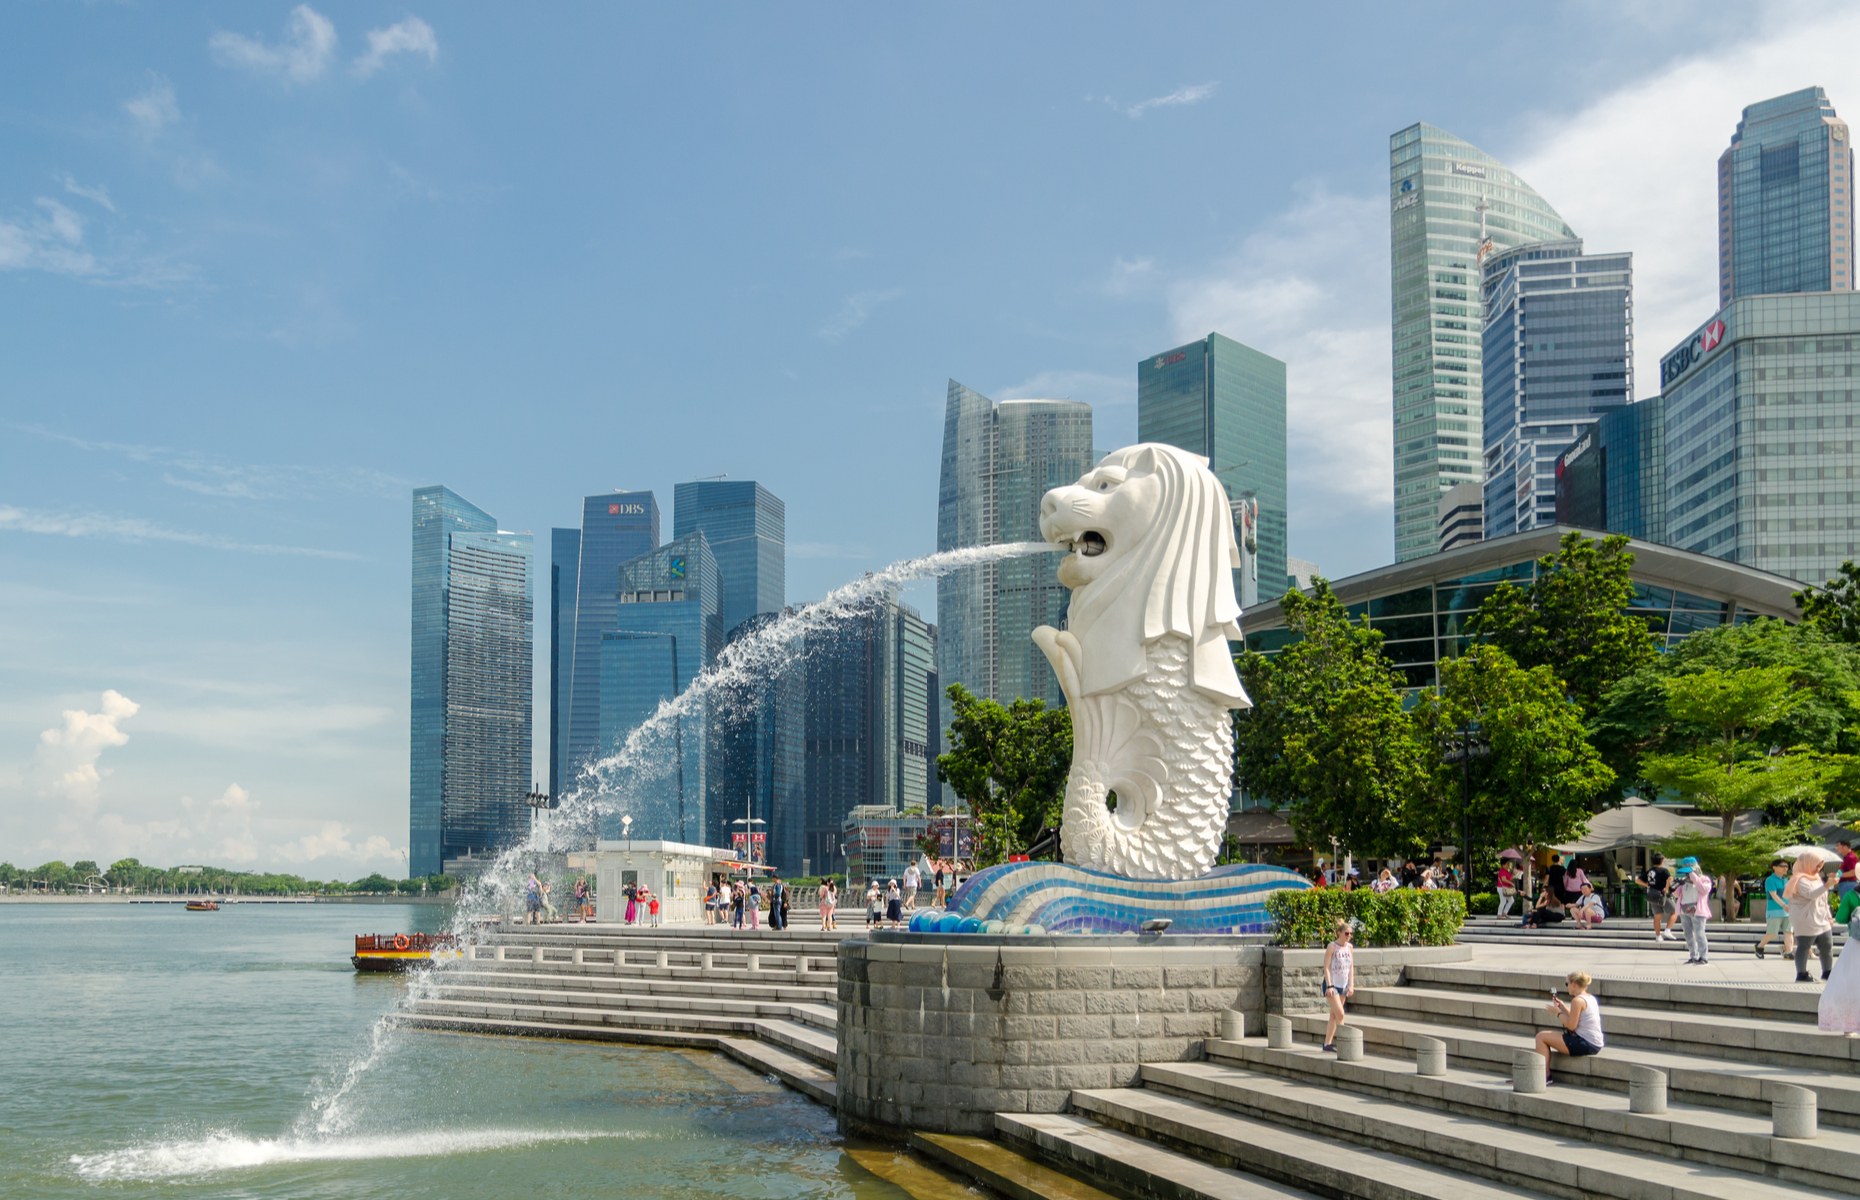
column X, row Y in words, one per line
column 131, row 876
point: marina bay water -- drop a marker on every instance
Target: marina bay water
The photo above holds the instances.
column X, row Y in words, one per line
column 151, row 1052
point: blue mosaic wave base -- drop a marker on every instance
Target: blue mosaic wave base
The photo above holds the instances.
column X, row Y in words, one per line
column 1066, row 899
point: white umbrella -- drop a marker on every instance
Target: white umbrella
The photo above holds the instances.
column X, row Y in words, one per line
column 1807, row 851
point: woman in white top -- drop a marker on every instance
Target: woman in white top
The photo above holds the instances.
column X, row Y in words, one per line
column 1806, row 894
column 1581, row 1018
column 1588, row 909
column 1385, row 882
column 1339, row 979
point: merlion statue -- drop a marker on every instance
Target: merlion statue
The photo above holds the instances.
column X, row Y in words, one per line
column 1144, row 661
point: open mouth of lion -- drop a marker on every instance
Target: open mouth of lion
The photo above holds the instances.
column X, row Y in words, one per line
column 1089, row 544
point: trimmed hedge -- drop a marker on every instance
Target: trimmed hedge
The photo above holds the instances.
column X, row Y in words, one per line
column 1403, row 917
column 1484, row 904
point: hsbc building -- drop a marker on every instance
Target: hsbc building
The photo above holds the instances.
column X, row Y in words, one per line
column 1761, row 458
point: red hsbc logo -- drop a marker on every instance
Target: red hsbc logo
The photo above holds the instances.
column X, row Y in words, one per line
column 1714, row 333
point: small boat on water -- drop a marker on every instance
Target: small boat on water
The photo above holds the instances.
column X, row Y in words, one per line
column 203, row 906
column 401, row 951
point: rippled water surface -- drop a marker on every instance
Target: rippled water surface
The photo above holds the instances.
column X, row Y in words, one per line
column 154, row 1052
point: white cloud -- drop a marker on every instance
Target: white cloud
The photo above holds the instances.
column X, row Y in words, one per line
column 412, row 36
column 1194, row 94
column 853, row 313
column 95, row 194
column 1637, row 169
column 155, row 109
column 134, row 529
column 257, row 481
column 52, row 241
column 1311, row 288
column 332, row 841
column 67, row 754
column 309, row 43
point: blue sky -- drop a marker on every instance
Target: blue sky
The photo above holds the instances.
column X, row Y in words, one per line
column 265, row 269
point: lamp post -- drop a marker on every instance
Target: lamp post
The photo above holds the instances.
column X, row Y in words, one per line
column 1462, row 748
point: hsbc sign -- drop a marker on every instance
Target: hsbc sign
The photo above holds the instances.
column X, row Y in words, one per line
column 1692, row 353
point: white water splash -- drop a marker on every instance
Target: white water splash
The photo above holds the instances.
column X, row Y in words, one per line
column 229, row 1151
column 607, row 786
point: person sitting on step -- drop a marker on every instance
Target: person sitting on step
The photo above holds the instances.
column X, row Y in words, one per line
column 1581, row 1018
column 1588, row 909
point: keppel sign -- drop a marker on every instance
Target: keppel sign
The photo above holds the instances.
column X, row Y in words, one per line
column 1692, row 353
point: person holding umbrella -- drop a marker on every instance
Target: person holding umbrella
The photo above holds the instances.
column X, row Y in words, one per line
column 1806, row 893
column 1694, row 888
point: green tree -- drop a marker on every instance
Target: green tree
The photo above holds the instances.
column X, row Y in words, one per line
column 1835, row 607
column 1741, row 854
column 1730, row 767
column 1009, row 765
column 1327, row 735
column 1535, row 784
column 1572, row 619
column 376, row 882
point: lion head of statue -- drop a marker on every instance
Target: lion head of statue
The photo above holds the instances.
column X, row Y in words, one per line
column 1152, row 554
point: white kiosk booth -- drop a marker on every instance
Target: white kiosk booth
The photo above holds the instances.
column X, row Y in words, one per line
column 675, row 872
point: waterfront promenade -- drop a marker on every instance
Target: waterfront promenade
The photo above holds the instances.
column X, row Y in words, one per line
column 1711, row 1077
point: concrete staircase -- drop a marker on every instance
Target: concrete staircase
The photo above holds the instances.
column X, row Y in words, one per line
column 1621, row 933
column 1252, row 1120
column 765, row 998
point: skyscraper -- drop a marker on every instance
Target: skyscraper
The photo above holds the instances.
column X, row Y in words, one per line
column 1785, row 223
column 745, row 524
column 999, row 460
column 873, row 719
column 1447, row 199
column 1226, row 402
column 473, row 639
column 667, row 629
column 1558, row 353
column 564, row 576
column 757, row 736
column 616, row 528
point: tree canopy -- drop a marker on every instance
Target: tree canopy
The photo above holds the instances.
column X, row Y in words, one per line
column 1835, row 607
column 1571, row 618
column 1327, row 735
column 1009, row 765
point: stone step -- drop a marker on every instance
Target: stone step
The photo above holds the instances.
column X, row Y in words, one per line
column 1002, row 1169
column 604, row 982
column 1503, row 1153
column 1154, row 1145
column 1634, row 929
column 600, row 962
column 1710, row 1034
column 808, row 1077
column 817, row 1045
column 1711, row 1135
column 816, row 1015
column 1777, row 1002
column 1133, row 1165
column 1691, row 1078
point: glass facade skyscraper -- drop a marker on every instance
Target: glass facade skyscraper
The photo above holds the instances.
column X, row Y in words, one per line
column 1785, row 223
column 999, row 460
column 1226, row 402
column 1447, row 200
column 667, row 629
column 873, row 719
column 746, row 526
column 1558, row 352
column 1761, row 454
column 564, row 574
column 470, row 711
column 616, row 528
column 1613, row 478
column 757, row 736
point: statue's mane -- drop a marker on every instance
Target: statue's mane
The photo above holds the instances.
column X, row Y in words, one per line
column 1177, row 580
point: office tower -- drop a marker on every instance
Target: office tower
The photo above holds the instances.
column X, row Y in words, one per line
column 757, row 738
column 999, row 460
column 1613, row 479
column 667, row 629
column 873, row 717
column 1447, row 199
column 1301, row 574
column 564, row 574
column 1558, row 353
column 1784, row 220
column 1759, row 453
column 473, row 616
column 616, row 528
column 1462, row 516
column 1226, row 402
column 745, row 524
